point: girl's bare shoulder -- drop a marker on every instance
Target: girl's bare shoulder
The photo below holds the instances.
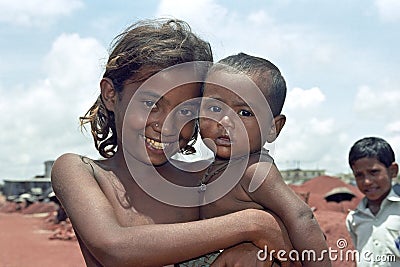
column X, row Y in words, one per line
column 73, row 165
column 70, row 160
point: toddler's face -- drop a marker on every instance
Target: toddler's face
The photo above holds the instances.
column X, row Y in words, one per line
column 234, row 115
column 372, row 178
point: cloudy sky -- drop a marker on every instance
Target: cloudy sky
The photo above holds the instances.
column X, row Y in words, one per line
column 341, row 61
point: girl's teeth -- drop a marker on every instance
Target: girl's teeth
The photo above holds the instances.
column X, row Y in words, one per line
column 155, row 144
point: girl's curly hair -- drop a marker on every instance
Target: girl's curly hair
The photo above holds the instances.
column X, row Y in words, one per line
column 154, row 44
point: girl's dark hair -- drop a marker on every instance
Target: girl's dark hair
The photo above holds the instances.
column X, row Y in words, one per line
column 264, row 73
column 146, row 45
column 372, row 147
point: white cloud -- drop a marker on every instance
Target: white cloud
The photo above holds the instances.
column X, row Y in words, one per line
column 180, row 8
column 377, row 102
column 254, row 32
column 311, row 143
column 45, row 114
column 389, row 10
column 198, row 12
column 301, row 98
column 260, row 17
column 393, row 128
column 322, row 127
column 35, row 12
column 70, row 53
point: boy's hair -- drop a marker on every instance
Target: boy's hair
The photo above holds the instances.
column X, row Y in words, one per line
column 372, row 147
column 139, row 52
column 264, row 74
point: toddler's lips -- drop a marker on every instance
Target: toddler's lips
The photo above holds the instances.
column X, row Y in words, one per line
column 223, row 141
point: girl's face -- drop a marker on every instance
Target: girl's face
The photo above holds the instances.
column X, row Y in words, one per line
column 156, row 122
column 373, row 178
column 228, row 120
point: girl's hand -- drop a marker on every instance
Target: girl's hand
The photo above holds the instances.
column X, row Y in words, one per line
column 272, row 236
column 270, row 231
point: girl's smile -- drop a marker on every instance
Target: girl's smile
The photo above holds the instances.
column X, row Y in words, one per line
column 157, row 146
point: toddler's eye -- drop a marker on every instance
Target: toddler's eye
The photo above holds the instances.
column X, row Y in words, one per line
column 149, row 104
column 245, row 113
column 214, row 109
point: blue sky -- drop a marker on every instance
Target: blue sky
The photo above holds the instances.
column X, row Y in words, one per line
column 341, row 61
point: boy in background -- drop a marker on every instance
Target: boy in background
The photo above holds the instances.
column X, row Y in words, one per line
column 374, row 225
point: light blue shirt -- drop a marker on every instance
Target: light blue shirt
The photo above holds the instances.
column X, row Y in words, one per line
column 376, row 237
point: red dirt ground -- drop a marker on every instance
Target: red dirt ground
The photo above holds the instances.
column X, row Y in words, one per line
column 24, row 242
column 29, row 237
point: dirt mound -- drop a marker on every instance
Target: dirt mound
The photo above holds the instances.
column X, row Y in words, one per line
column 39, row 207
column 313, row 192
column 331, row 215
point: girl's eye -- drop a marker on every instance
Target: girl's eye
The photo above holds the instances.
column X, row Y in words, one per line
column 186, row 112
column 149, row 104
column 214, row 109
column 245, row 113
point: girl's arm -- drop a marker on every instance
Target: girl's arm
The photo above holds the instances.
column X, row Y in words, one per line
column 303, row 229
column 94, row 219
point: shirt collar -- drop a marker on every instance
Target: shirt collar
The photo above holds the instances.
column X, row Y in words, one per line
column 392, row 196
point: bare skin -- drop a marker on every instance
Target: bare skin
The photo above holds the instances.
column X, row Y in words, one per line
column 117, row 224
column 112, row 233
column 226, row 122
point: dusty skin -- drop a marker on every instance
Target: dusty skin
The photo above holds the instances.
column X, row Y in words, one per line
column 25, row 238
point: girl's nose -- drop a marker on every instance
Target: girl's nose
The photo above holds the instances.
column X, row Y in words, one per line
column 165, row 125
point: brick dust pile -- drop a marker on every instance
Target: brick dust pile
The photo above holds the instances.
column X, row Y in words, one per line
column 331, row 215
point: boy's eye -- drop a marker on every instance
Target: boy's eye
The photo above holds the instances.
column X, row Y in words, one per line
column 215, row 109
column 375, row 172
column 245, row 113
column 358, row 176
column 149, row 104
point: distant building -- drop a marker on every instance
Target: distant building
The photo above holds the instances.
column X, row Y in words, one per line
column 347, row 178
column 48, row 165
column 34, row 186
column 39, row 185
column 299, row 176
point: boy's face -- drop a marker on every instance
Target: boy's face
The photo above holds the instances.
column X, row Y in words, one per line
column 234, row 122
column 373, row 178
